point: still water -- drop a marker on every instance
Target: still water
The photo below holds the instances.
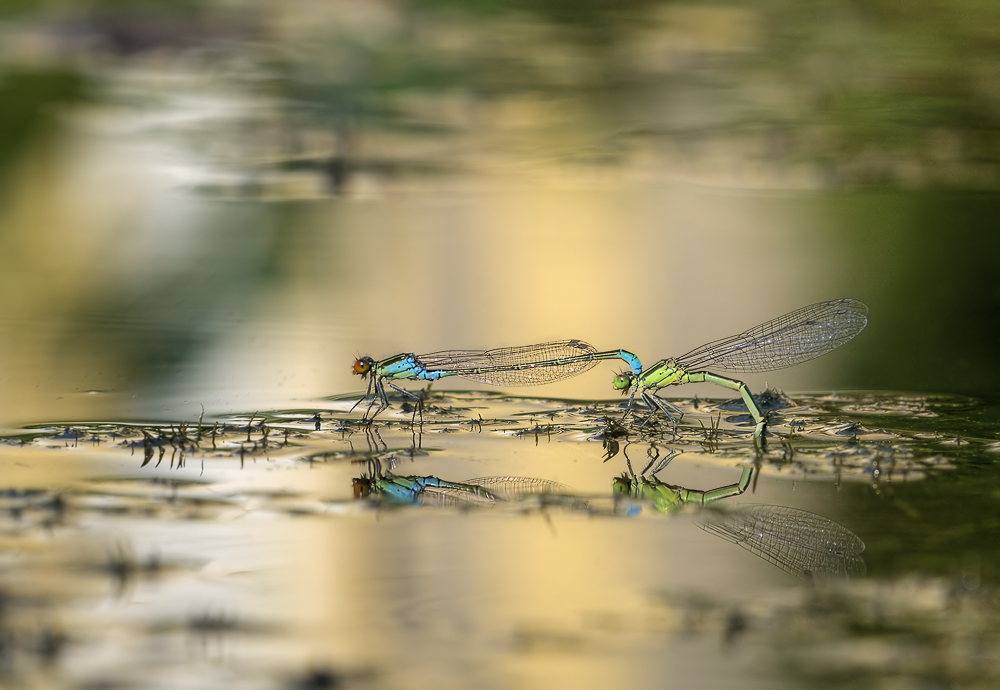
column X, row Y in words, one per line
column 209, row 210
column 504, row 542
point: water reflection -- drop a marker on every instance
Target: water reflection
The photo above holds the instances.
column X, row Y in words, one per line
column 668, row 498
column 248, row 519
column 393, row 489
column 799, row 542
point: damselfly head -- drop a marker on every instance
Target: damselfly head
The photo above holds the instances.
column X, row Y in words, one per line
column 363, row 366
column 621, row 486
column 362, row 487
column 623, row 381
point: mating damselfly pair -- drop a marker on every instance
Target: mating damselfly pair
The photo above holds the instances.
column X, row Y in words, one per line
column 791, row 339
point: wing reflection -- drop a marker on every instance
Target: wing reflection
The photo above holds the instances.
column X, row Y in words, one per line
column 798, row 542
column 801, row 543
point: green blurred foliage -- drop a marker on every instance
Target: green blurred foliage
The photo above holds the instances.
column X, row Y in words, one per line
column 929, row 259
column 918, row 79
column 29, row 98
column 140, row 6
column 873, row 93
column 598, row 21
column 12, row 8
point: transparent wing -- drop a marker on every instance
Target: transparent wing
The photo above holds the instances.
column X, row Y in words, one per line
column 527, row 365
column 799, row 542
column 485, row 492
column 469, row 496
column 513, row 488
column 791, row 339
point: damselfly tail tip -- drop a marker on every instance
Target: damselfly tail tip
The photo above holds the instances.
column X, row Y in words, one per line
column 363, row 366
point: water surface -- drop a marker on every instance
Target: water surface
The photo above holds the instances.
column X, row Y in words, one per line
column 187, row 555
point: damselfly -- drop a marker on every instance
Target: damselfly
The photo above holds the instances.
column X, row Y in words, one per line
column 796, row 337
column 528, row 365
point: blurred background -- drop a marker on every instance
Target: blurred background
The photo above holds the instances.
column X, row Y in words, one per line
column 219, row 204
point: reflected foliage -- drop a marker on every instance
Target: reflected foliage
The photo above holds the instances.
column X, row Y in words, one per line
column 935, row 258
column 914, row 631
column 30, row 99
column 864, row 95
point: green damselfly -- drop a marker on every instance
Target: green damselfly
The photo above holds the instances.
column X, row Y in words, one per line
column 791, row 339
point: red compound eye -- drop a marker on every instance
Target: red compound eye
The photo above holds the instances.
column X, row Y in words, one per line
column 362, row 366
column 362, row 487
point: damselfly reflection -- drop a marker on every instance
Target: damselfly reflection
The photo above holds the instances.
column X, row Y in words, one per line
column 666, row 498
column 481, row 492
column 801, row 543
column 798, row 542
